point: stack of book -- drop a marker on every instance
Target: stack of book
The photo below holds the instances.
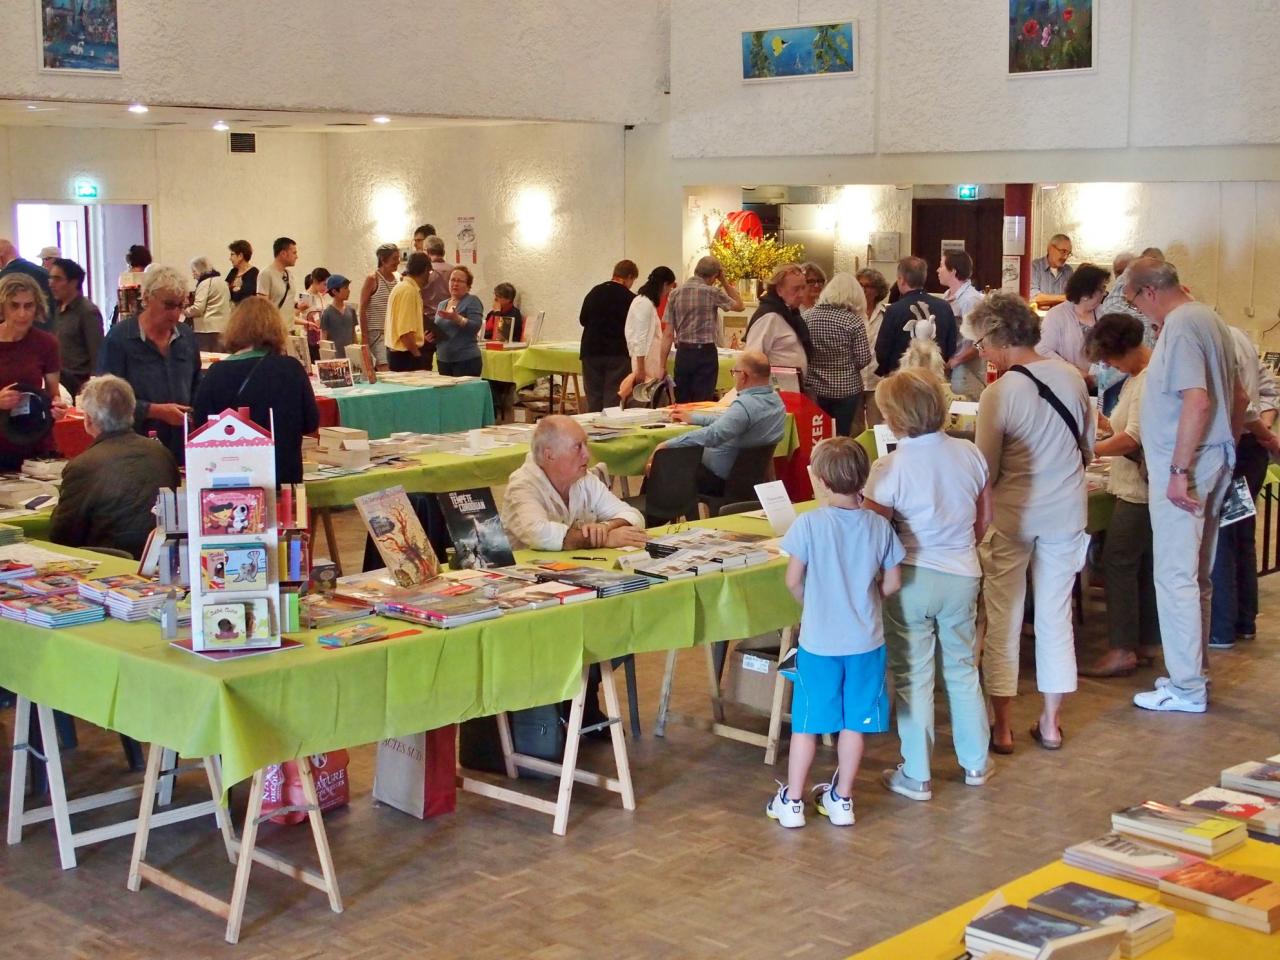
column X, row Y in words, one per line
column 443, row 611
column 63, row 611
column 521, row 596
column 1176, row 827
column 50, row 584
column 1113, row 855
column 15, row 570
column 1259, row 814
column 1016, row 931
column 127, row 596
column 96, row 589
column 1145, row 925
column 1255, row 777
column 318, row 610
column 606, row 583
column 1212, row 891
column 15, row 608
column 10, row 534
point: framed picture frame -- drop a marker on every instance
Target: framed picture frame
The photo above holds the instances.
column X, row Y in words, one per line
column 1052, row 37
column 78, row 36
column 801, row 51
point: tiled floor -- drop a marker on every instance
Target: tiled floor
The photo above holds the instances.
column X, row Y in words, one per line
column 696, row 871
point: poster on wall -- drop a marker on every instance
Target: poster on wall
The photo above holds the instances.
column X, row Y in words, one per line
column 1051, row 36
column 947, row 245
column 810, row 50
column 1010, row 274
column 466, row 240
column 886, row 246
column 78, row 36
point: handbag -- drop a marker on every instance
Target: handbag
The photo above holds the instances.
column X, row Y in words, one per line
column 535, row 732
column 1059, row 408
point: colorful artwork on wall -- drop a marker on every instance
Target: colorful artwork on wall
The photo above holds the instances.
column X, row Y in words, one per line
column 1050, row 36
column 812, row 50
column 78, row 36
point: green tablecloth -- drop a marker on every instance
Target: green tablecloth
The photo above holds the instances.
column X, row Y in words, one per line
column 35, row 525
column 625, row 456
column 386, row 408
column 274, row 707
column 543, row 361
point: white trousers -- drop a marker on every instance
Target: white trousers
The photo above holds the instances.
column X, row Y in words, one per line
column 1183, row 545
column 1054, row 563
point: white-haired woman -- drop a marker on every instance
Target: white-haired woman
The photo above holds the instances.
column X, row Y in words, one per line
column 838, row 328
column 211, row 308
column 108, row 491
column 158, row 355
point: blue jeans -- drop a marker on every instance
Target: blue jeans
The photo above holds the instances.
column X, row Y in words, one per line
column 933, row 611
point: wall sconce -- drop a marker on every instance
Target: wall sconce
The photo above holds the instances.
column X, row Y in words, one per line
column 534, row 216
column 389, row 209
column 1103, row 216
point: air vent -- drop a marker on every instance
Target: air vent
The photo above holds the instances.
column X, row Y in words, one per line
column 166, row 123
column 242, row 142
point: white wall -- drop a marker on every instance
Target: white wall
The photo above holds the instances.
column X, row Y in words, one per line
column 548, row 203
column 575, row 59
column 201, row 197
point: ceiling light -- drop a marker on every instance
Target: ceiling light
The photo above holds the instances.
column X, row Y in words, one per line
column 221, row 126
column 381, row 119
column 137, row 108
column 32, row 106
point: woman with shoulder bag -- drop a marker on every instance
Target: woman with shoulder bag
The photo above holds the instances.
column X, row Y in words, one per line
column 1035, row 428
column 1133, row 628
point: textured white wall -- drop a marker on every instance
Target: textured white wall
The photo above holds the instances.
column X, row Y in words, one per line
column 201, row 197
column 572, row 59
column 384, row 184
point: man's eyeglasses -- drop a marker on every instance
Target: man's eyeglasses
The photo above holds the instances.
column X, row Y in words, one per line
column 737, row 370
column 977, row 344
column 1130, row 301
column 1065, row 251
column 815, row 282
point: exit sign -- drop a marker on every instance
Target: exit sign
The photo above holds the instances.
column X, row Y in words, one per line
column 86, row 189
column 967, row 191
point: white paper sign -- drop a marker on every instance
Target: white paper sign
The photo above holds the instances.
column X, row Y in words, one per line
column 777, row 506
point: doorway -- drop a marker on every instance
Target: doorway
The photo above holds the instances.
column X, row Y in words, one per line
column 96, row 236
column 974, row 226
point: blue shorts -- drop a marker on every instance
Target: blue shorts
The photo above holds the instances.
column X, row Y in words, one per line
column 840, row 693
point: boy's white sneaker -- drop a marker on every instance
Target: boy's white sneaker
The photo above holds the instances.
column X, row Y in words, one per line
column 788, row 811
column 837, row 809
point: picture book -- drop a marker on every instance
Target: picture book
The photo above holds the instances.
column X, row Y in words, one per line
column 1019, row 928
column 398, row 535
column 50, row 584
column 63, row 611
column 1084, row 904
column 353, row 634
column 479, row 540
column 96, row 589
column 334, row 373
column 225, row 625
column 232, row 510
column 234, row 567
column 1259, row 813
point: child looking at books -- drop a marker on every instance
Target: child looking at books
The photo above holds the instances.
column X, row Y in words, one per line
column 338, row 321
column 843, row 560
column 504, row 315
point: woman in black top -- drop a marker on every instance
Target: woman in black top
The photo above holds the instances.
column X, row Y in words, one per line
column 259, row 375
column 243, row 279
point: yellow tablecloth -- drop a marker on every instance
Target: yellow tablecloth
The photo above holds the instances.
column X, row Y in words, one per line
column 1194, row 937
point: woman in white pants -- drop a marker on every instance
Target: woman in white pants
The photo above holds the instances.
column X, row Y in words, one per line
column 1035, row 428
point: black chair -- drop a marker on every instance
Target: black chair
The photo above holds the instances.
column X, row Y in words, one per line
column 742, row 506
column 671, row 490
column 753, row 465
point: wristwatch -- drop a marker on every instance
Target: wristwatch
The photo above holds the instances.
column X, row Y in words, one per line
column 1177, row 471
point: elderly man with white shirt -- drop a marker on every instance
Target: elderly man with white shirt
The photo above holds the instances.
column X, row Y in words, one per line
column 553, row 503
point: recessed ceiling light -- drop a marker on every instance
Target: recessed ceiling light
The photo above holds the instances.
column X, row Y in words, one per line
column 32, row 106
column 381, row 119
column 137, row 108
column 221, row 127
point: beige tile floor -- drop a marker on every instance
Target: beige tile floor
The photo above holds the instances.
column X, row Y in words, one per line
column 695, row 871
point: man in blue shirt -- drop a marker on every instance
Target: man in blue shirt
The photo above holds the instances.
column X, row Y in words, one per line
column 1050, row 273
column 756, row 418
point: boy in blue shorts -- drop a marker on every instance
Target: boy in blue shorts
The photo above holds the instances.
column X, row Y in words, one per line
column 843, row 560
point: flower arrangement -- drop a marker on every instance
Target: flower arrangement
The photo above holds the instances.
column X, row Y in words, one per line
column 1050, row 35
column 744, row 257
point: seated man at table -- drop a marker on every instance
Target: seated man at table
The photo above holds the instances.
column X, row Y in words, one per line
column 553, row 503
column 756, row 418
column 108, row 491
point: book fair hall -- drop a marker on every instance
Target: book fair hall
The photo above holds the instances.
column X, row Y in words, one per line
column 645, row 479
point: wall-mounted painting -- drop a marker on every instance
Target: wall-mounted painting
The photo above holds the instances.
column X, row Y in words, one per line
column 78, row 36
column 1050, row 36
column 812, row 50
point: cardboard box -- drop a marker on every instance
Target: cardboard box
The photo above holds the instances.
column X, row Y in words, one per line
column 749, row 676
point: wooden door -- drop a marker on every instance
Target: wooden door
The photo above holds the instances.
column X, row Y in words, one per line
column 978, row 223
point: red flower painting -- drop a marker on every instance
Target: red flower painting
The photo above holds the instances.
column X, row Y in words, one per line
column 1067, row 14
column 1030, row 29
column 1050, row 35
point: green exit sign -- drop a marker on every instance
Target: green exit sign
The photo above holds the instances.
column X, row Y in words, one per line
column 86, row 189
column 967, row 191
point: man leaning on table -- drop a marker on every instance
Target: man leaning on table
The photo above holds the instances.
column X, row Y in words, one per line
column 756, row 418
column 553, row 503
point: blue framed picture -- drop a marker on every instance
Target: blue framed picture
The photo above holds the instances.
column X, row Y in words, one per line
column 78, row 36
column 810, row 50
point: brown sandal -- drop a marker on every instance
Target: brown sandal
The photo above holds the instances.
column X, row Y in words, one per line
column 1045, row 741
column 1004, row 749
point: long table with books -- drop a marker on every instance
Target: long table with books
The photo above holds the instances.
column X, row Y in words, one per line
column 382, row 409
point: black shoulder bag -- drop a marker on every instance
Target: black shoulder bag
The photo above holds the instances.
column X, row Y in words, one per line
column 1059, row 408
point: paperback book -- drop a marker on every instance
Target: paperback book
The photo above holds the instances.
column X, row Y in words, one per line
column 232, row 510
column 51, row 584
column 1254, row 777
column 354, row 634
column 1258, row 813
column 234, row 567
column 1114, row 855
column 1017, row 930
column 398, row 535
column 1146, row 925
column 63, row 611
column 1223, row 894
column 479, row 540
column 1178, row 827
column 444, row 612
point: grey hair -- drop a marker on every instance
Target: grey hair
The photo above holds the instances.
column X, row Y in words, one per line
column 1150, row 272
column 550, row 435
column 434, row 246
column 1005, row 320
column 708, row 268
column 843, row 290
column 169, row 279
column 1120, row 262
column 108, row 401
column 1059, row 237
column 200, row 266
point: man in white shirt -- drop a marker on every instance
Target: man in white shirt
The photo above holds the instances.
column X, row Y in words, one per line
column 968, row 370
column 274, row 282
column 553, row 503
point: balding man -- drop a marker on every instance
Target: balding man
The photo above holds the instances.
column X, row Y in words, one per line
column 1193, row 409
column 693, row 325
column 10, row 262
column 756, row 418
column 553, row 503
column 1050, row 273
column 1115, row 302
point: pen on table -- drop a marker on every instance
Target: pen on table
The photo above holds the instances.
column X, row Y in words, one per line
column 588, row 558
